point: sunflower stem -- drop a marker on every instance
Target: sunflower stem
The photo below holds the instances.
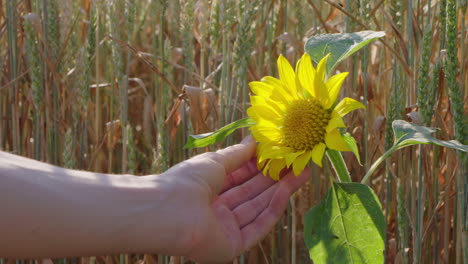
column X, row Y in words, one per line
column 339, row 165
column 376, row 164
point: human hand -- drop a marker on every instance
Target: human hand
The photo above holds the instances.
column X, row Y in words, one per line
column 227, row 205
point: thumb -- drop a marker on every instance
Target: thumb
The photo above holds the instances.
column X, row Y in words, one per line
column 235, row 156
column 229, row 159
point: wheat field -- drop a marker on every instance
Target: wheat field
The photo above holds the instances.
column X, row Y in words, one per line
column 117, row 86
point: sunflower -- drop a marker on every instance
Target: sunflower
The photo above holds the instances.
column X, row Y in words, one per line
column 297, row 117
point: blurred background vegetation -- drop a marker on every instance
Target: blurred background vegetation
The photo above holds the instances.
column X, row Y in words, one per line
column 117, row 86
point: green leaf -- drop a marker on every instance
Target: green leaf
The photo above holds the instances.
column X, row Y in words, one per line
column 206, row 139
column 337, row 161
column 351, row 142
column 340, row 45
column 407, row 134
column 348, row 226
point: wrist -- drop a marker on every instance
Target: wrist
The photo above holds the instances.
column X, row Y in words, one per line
column 156, row 220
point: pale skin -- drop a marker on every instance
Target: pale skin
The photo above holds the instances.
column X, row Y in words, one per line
column 209, row 208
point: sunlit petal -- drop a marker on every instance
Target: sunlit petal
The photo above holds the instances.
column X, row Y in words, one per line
column 317, row 153
column 287, row 75
column 266, row 168
column 275, row 168
column 300, row 162
column 290, row 157
column 258, row 112
column 335, row 122
column 321, row 91
column 278, row 108
column 275, row 152
column 261, row 165
column 261, row 88
column 279, row 93
column 306, row 74
column 335, row 141
column 266, row 133
column 333, row 86
column 347, row 105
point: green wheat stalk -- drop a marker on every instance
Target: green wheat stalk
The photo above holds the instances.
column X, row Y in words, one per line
column 214, row 24
column 402, row 220
column 130, row 16
column 423, row 98
column 243, row 47
column 457, row 109
column 68, row 153
column 53, row 41
column 364, row 12
column 37, row 80
column 53, row 29
column 464, row 159
column 299, row 12
column 162, row 45
column 163, row 142
column 118, row 70
column 451, row 70
column 186, row 25
column 132, row 151
column 12, row 38
column 226, row 20
column 395, row 109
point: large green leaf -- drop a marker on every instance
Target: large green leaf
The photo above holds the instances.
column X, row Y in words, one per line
column 340, row 46
column 348, row 226
column 203, row 140
column 407, row 134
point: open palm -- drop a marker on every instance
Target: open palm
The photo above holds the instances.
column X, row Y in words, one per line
column 238, row 205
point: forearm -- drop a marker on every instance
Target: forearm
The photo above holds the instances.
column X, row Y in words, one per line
column 49, row 211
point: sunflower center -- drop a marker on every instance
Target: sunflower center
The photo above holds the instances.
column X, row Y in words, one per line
column 304, row 124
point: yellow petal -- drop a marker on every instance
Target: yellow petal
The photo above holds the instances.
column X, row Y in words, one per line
column 278, row 107
column 321, row 91
column 275, row 168
column 261, row 88
column 300, row 162
column 264, row 145
column 306, row 73
column 265, row 133
column 347, row 105
column 335, row 122
column 272, row 81
column 290, row 157
column 335, row 141
column 317, row 153
column 333, row 86
column 266, row 168
column 275, row 152
column 287, row 75
column 278, row 93
column 258, row 112
column 261, row 165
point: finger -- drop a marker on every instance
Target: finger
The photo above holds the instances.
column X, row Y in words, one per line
column 247, row 212
column 241, row 175
column 259, row 228
column 225, row 161
column 247, row 191
column 234, row 156
column 295, row 182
